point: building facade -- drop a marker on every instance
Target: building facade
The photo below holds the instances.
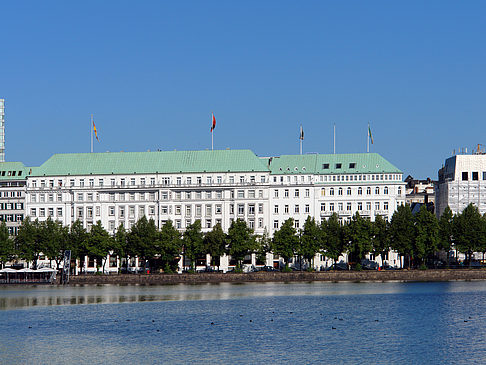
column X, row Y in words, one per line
column 12, row 194
column 462, row 180
column 215, row 187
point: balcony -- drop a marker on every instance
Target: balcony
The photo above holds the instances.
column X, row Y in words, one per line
column 343, row 213
column 381, row 212
column 326, row 213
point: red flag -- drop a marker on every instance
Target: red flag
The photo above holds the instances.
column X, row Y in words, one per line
column 213, row 125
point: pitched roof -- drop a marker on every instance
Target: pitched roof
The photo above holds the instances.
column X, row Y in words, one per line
column 349, row 163
column 150, row 162
column 13, row 171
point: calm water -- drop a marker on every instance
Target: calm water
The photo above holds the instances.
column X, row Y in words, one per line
column 385, row 323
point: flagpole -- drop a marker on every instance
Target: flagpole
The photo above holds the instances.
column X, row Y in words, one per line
column 300, row 138
column 91, row 128
column 212, row 141
column 368, row 139
column 334, row 140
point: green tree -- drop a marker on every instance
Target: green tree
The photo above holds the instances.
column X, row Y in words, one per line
column 215, row 244
column 54, row 239
column 264, row 247
column 426, row 234
column 77, row 241
column 358, row 238
column 402, row 231
column 241, row 241
column 446, row 231
column 380, row 238
column 310, row 241
column 7, row 251
column 170, row 246
column 121, row 246
column 99, row 244
column 27, row 241
column 193, row 242
column 333, row 240
column 285, row 241
column 468, row 228
column 143, row 239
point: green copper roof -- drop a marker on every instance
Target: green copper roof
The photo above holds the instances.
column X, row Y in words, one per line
column 150, row 162
column 13, row 171
column 351, row 163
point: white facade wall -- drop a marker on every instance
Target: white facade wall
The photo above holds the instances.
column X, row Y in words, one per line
column 370, row 195
column 123, row 199
column 263, row 200
column 462, row 181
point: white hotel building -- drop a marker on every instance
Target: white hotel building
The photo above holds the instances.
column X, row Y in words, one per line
column 213, row 186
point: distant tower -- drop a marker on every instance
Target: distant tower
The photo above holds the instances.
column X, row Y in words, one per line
column 2, row 130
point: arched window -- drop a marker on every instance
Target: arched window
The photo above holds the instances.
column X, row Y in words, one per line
column 360, row 191
column 349, row 191
column 368, row 191
column 385, row 190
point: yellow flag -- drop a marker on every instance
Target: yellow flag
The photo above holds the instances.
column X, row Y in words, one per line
column 95, row 132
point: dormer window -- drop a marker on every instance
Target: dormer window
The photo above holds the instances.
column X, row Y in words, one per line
column 339, row 165
column 325, row 166
column 352, row 165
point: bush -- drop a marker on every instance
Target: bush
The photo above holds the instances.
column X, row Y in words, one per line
column 310, row 269
column 423, row 267
column 286, row 269
column 358, row 267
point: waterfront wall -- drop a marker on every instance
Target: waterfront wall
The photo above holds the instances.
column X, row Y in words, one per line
column 353, row 276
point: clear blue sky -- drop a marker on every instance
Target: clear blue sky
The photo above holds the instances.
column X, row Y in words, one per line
column 152, row 72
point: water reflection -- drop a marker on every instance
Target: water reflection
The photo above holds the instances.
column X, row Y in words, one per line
column 34, row 296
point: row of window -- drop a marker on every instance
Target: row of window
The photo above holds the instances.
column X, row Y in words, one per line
column 286, row 193
column 42, row 198
column 43, row 211
column 348, row 206
column 329, row 178
column 100, row 182
column 297, row 224
column 10, row 194
column 296, row 209
column 474, row 175
column 377, row 190
column 340, row 191
column 15, row 184
column 181, row 224
column 241, row 194
column 249, row 208
column 11, row 217
column 11, row 206
column 11, row 173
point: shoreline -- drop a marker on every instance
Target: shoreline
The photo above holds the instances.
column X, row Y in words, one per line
column 338, row 276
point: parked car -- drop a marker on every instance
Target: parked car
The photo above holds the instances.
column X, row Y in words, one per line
column 339, row 266
column 369, row 265
column 269, row 269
